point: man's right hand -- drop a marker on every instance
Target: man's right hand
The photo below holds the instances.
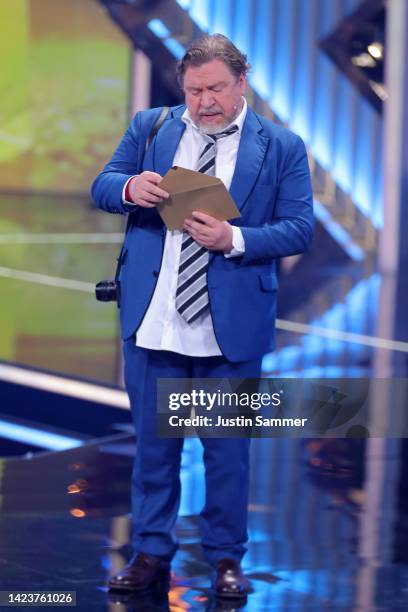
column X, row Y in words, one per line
column 143, row 189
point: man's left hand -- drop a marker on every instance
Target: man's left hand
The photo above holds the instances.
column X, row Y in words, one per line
column 208, row 232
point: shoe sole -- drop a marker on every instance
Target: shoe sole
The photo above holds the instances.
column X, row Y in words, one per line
column 159, row 584
column 232, row 595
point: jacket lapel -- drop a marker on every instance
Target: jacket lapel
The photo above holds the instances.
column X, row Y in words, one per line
column 251, row 153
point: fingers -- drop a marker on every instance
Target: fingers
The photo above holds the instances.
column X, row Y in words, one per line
column 157, row 192
column 144, row 190
column 204, row 225
column 149, row 196
column 203, row 235
column 196, row 228
column 153, row 179
column 204, row 218
column 217, row 238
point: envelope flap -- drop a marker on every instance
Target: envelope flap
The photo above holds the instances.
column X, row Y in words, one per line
column 178, row 180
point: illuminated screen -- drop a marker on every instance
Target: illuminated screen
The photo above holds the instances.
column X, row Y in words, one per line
column 64, row 102
column 64, row 93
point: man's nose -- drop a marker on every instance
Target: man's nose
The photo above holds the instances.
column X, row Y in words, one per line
column 207, row 99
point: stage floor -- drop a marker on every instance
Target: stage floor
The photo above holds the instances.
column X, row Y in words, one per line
column 318, row 539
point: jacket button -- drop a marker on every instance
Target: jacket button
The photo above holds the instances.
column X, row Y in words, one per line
column 155, row 273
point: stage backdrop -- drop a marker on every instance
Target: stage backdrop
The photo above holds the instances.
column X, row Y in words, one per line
column 64, row 91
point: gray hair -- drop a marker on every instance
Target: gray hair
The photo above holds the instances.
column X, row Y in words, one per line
column 211, row 47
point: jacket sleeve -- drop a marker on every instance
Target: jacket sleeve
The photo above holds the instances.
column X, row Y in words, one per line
column 291, row 229
column 107, row 189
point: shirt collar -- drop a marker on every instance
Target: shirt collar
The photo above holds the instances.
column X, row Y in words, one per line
column 239, row 121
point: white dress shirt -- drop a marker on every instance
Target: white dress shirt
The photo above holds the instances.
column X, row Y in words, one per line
column 163, row 328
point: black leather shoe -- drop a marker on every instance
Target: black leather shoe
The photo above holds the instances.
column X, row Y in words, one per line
column 142, row 572
column 229, row 580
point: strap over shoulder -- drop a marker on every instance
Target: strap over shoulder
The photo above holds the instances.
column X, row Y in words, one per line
column 156, row 127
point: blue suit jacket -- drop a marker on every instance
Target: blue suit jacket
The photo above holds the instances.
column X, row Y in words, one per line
column 271, row 187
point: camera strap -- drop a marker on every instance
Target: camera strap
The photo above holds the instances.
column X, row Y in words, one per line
column 153, row 132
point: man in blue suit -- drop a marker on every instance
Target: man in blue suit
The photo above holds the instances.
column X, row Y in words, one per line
column 200, row 302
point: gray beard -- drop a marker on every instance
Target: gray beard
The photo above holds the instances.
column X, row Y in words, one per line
column 214, row 129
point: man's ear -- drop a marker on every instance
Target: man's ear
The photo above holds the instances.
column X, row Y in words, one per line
column 242, row 83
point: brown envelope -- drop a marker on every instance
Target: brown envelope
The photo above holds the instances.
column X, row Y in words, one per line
column 190, row 190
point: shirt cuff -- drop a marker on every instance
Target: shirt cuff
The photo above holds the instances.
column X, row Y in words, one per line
column 238, row 243
column 125, row 193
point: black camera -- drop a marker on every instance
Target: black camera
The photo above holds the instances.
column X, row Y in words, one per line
column 108, row 291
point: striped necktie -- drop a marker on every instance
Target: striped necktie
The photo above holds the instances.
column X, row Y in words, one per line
column 192, row 294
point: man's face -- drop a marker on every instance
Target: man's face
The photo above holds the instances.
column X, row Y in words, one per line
column 213, row 95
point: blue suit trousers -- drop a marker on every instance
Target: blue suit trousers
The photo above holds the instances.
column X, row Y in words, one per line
column 155, row 482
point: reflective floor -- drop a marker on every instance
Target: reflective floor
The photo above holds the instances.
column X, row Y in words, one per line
column 328, row 526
